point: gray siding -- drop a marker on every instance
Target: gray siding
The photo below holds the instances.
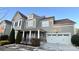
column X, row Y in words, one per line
column 21, row 27
column 68, row 29
column 64, row 29
column 48, row 28
column 27, row 26
column 7, row 30
column 17, row 17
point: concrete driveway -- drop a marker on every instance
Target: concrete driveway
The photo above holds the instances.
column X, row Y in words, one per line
column 58, row 47
column 19, row 47
column 43, row 47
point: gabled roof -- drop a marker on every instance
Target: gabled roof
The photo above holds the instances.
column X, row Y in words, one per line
column 44, row 17
column 33, row 14
column 6, row 21
column 22, row 15
column 64, row 21
column 49, row 17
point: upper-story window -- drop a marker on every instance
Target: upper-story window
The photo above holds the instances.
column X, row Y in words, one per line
column 16, row 23
column 19, row 23
column 30, row 23
column 45, row 23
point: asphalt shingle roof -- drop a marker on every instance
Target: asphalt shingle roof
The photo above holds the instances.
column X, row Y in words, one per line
column 64, row 21
column 6, row 21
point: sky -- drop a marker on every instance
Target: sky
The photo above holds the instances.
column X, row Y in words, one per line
column 59, row 12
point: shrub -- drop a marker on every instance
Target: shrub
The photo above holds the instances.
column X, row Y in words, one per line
column 18, row 37
column 75, row 40
column 3, row 37
column 12, row 36
column 35, row 42
column 4, row 42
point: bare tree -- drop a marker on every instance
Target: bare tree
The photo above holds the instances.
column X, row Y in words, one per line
column 5, row 14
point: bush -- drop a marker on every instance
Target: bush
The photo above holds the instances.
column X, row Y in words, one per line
column 4, row 42
column 35, row 42
column 12, row 36
column 18, row 37
column 75, row 40
column 3, row 37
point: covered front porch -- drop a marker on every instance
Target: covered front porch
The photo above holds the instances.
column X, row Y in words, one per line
column 29, row 34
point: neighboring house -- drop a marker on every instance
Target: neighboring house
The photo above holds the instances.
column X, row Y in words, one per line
column 5, row 27
column 77, row 31
column 34, row 26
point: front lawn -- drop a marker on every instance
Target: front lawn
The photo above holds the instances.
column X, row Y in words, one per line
column 4, row 42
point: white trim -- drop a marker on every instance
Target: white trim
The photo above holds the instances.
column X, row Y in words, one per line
column 61, row 25
column 45, row 23
column 29, row 36
column 30, row 23
column 23, row 35
column 38, row 34
column 16, row 33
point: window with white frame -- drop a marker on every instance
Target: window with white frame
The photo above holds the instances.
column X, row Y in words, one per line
column 30, row 23
column 20, row 23
column 16, row 23
column 45, row 23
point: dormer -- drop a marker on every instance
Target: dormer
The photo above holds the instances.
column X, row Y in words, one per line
column 33, row 16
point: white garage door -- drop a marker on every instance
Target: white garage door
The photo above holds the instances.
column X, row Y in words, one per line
column 62, row 38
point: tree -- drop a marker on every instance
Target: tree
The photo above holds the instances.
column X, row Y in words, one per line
column 12, row 36
column 5, row 14
column 18, row 37
column 75, row 40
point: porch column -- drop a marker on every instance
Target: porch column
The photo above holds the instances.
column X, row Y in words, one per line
column 29, row 36
column 16, row 34
column 38, row 34
column 23, row 35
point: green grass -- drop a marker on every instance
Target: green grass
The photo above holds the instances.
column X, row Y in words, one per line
column 4, row 42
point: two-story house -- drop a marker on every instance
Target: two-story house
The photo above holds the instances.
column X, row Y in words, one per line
column 34, row 26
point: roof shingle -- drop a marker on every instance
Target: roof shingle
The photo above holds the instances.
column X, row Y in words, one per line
column 64, row 21
column 6, row 21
